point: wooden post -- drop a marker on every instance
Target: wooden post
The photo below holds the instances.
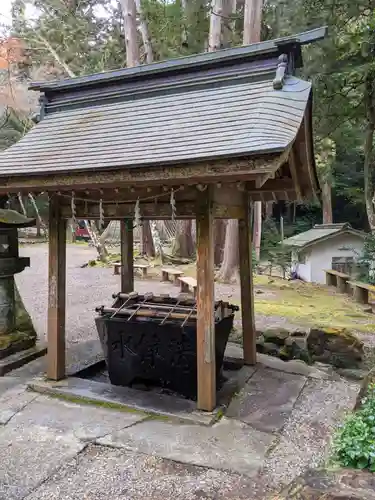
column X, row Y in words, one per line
column 127, row 270
column 56, row 292
column 360, row 294
column 328, row 279
column 206, row 363
column 342, row 284
column 246, row 277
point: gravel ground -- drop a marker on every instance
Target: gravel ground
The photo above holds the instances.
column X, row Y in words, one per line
column 100, row 473
column 88, row 288
column 305, row 439
column 97, row 472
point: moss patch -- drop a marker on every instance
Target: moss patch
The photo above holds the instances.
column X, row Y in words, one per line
column 110, row 406
column 14, row 338
column 95, row 402
column 307, row 304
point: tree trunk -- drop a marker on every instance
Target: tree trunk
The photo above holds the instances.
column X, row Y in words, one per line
column 147, row 243
column 130, row 30
column 269, row 209
column 183, row 244
column 157, row 241
column 219, row 240
column 130, row 8
column 70, row 231
column 221, row 35
column 252, row 24
column 143, row 28
column 38, row 228
column 327, row 201
column 230, row 259
column 94, row 237
column 228, row 9
column 257, row 229
column 39, row 218
column 369, row 149
column 251, row 34
column 367, row 172
column 214, row 39
column 22, row 205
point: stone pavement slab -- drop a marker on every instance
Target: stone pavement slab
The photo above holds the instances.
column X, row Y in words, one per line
column 305, row 437
column 125, row 397
column 8, row 382
column 29, row 454
column 100, row 473
column 84, row 422
column 14, row 400
column 45, row 433
column 267, row 399
column 228, row 445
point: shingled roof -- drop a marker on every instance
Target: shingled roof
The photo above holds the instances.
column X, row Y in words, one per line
column 210, row 106
column 319, row 233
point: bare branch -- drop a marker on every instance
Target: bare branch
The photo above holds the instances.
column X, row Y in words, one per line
column 55, row 55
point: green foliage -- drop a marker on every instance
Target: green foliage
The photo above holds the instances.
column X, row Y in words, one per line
column 270, row 237
column 13, row 126
column 85, row 35
column 354, row 445
column 366, row 261
column 174, row 32
column 338, row 67
column 272, row 250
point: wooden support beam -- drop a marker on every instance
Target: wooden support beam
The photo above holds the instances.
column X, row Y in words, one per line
column 282, row 184
column 150, row 211
column 56, row 292
column 127, row 269
column 206, row 363
column 261, row 180
column 294, row 174
column 247, row 294
column 191, row 173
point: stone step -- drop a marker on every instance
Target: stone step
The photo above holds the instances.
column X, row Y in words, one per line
column 267, row 399
column 21, row 358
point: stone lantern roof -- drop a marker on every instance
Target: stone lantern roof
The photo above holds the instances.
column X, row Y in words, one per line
column 11, row 218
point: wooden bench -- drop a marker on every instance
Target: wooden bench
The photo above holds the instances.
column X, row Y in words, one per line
column 337, row 279
column 139, row 267
column 186, row 283
column 361, row 291
column 167, row 272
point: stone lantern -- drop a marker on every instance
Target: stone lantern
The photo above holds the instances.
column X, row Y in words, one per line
column 10, row 264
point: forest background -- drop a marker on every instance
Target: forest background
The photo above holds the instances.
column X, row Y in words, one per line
column 49, row 39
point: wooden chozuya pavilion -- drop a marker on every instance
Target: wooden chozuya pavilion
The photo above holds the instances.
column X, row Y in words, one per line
column 200, row 136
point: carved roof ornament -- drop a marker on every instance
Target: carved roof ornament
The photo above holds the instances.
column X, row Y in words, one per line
column 278, row 81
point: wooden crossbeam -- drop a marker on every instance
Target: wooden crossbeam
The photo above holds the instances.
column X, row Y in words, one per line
column 220, row 170
column 150, row 210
